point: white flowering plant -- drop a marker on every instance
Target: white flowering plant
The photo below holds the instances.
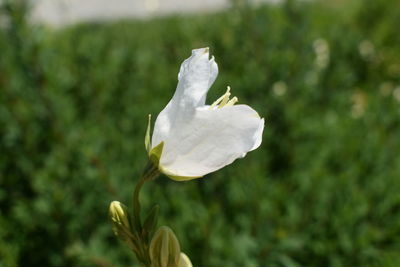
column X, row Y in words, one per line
column 190, row 139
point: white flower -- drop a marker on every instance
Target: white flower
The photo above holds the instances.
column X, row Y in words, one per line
column 190, row 138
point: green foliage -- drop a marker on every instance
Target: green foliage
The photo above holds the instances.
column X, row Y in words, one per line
column 323, row 189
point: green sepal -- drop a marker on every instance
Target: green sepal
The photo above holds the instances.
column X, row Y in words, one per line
column 147, row 140
column 155, row 154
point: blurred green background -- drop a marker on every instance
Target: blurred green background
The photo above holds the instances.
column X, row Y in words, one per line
column 322, row 190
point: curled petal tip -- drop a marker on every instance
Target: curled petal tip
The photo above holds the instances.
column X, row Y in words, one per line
column 201, row 51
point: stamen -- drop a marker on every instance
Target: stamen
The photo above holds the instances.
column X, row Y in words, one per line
column 232, row 102
column 227, row 94
column 226, row 97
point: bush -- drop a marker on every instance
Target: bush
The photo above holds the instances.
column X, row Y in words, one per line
column 322, row 190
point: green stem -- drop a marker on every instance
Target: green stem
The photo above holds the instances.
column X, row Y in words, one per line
column 150, row 173
column 136, row 205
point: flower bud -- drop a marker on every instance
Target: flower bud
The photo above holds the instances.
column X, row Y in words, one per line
column 184, row 261
column 121, row 224
column 165, row 249
column 119, row 214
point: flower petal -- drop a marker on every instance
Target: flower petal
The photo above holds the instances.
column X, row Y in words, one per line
column 213, row 139
column 196, row 75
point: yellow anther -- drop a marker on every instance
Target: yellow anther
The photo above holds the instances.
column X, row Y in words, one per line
column 232, row 102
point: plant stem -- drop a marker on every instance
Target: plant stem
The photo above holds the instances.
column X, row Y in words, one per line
column 150, row 172
column 136, row 205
